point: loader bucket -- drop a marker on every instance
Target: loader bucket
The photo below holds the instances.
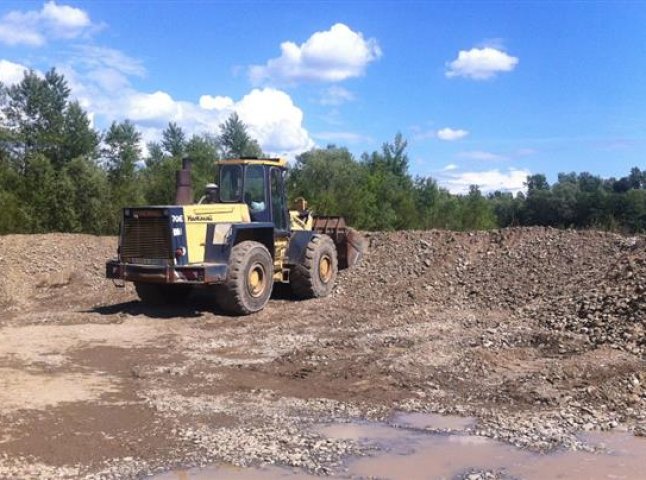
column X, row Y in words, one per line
column 350, row 244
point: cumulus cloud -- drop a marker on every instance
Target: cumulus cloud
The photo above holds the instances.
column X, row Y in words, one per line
column 450, row 134
column 52, row 21
column 481, row 63
column 219, row 102
column 271, row 116
column 330, row 56
column 274, row 121
column 449, row 167
column 511, row 180
column 10, row 72
column 151, row 106
column 481, row 155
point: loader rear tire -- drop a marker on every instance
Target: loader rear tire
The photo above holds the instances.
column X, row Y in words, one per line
column 250, row 279
column 154, row 294
column 316, row 275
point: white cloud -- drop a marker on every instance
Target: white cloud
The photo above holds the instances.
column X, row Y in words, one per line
column 488, row 180
column 208, row 102
column 481, row 156
column 330, row 56
column 52, row 21
column 481, row 63
column 336, row 95
column 450, row 134
column 274, row 121
column 95, row 57
column 10, row 72
column 449, row 167
column 64, row 16
column 151, row 106
column 270, row 115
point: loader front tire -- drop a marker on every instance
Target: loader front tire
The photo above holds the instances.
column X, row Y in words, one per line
column 249, row 281
column 316, row 275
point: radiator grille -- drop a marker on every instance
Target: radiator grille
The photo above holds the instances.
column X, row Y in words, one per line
column 146, row 240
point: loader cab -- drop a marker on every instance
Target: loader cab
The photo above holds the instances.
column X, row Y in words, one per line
column 259, row 183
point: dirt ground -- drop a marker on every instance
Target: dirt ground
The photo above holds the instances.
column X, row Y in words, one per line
column 537, row 333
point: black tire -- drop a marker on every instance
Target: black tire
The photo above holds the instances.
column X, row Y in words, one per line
column 249, row 281
column 316, row 275
column 155, row 294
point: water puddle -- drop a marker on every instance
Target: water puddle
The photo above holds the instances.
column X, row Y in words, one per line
column 432, row 421
column 236, row 473
column 405, row 449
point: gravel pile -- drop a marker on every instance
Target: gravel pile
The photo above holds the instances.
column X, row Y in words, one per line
column 612, row 312
column 38, row 267
column 589, row 283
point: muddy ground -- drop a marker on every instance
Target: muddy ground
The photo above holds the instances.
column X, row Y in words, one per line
column 537, row 333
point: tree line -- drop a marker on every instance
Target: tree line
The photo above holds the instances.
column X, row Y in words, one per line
column 58, row 173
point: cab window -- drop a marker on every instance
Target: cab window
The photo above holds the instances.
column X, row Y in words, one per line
column 254, row 188
column 230, row 183
column 278, row 200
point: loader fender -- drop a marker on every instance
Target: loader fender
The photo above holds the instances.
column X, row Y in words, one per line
column 298, row 246
column 219, row 243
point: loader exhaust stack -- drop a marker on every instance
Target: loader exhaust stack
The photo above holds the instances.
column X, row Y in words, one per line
column 183, row 187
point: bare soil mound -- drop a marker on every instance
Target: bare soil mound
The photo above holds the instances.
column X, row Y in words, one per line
column 53, row 269
column 537, row 333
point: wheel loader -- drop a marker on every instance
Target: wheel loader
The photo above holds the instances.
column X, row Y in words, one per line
column 236, row 243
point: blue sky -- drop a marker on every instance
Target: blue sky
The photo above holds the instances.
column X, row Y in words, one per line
column 484, row 92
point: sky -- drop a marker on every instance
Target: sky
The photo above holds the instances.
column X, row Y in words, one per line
column 484, row 92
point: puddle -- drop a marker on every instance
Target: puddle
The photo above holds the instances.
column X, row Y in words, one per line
column 378, row 433
column 432, row 421
column 439, row 457
column 415, row 454
column 236, row 473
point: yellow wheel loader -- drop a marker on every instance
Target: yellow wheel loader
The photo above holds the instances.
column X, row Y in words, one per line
column 237, row 242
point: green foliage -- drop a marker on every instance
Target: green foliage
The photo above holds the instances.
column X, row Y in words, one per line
column 59, row 174
column 203, row 151
column 234, row 140
column 35, row 110
column 333, row 183
column 174, row 140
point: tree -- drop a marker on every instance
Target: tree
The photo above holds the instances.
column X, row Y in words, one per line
column 174, row 140
column 536, row 183
column 78, row 138
column 506, row 208
column 91, row 197
column 636, row 178
column 155, row 154
column 395, row 157
column 34, row 109
column 235, row 141
column 203, row 152
column 390, row 183
column 122, row 153
column 477, row 213
column 333, row 183
column 121, row 150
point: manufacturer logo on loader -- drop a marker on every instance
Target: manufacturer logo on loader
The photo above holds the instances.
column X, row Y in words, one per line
column 200, row 218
